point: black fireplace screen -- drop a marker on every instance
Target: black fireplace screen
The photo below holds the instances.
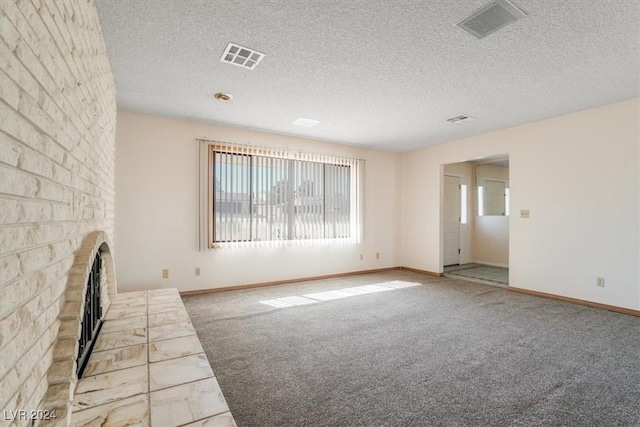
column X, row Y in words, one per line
column 92, row 317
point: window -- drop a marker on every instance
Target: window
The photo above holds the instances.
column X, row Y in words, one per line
column 507, row 201
column 463, row 204
column 268, row 196
column 493, row 198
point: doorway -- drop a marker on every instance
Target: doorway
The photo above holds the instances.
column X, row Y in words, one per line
column 475, row 237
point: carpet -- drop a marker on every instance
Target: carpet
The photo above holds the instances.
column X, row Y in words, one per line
column 444, row 353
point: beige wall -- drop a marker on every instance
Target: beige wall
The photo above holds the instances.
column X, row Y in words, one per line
column 56, row 175
column 156, row 228
column 578, row 175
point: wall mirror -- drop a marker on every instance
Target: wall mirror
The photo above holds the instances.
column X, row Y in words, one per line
column 492, row 184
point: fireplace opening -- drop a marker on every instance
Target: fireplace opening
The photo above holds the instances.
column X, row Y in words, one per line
column 90, row 288
column 92, row 316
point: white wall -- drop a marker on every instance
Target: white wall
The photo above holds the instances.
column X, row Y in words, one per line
column 578, row 175
column 460, row 169
column 156, row 181
column 490, row 241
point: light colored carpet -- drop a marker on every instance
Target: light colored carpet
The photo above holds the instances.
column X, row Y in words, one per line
column 445, row 353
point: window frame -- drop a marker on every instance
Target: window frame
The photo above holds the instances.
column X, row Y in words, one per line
column 354, row 195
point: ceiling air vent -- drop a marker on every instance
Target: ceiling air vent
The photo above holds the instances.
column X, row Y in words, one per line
column 241, row 56
column 460, row 119
column 490, row 18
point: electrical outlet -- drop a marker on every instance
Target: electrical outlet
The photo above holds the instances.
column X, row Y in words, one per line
column 600, row 282
column 377, row 255
column 524, row 213
column 361, row 257
column 197, row 271
column 165, row 273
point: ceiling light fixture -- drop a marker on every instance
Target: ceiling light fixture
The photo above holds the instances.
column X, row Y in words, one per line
column 241, row 56
column 490, row 18
column 307, row 123
column 224, row 97
column 460, row 119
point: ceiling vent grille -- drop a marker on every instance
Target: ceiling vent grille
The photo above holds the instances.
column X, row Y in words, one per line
column 460, row 119
column 490, row 18
column 241, row 56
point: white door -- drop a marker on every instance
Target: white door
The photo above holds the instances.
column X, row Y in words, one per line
column 451, row 220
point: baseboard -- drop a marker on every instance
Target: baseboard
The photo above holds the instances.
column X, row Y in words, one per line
column 622, row 310
column 415, row 270
column 284, row 282
column 576, row 301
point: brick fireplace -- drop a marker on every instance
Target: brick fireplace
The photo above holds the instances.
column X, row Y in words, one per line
column 57, row 171
column 67, row 353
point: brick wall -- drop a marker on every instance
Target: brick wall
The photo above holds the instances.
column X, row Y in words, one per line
column 57, row 123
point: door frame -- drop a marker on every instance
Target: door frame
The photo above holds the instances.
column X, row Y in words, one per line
column 464, row 234
column 471, row 200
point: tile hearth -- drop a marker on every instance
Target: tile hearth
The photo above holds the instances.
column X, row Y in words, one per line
column 148, row 368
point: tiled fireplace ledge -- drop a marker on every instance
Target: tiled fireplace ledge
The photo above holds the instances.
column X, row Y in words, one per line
column 61, row 376
column 148, row 369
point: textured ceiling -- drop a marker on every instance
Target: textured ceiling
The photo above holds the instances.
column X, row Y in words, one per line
column 377, row 73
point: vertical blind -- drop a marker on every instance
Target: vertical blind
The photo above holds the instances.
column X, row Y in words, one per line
column 270, row 196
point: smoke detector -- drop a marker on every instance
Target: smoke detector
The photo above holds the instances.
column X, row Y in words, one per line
column 241, row 56
column 460, row 119
column 490, row 18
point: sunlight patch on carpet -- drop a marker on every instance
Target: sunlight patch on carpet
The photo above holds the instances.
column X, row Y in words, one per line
column 338, row 294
